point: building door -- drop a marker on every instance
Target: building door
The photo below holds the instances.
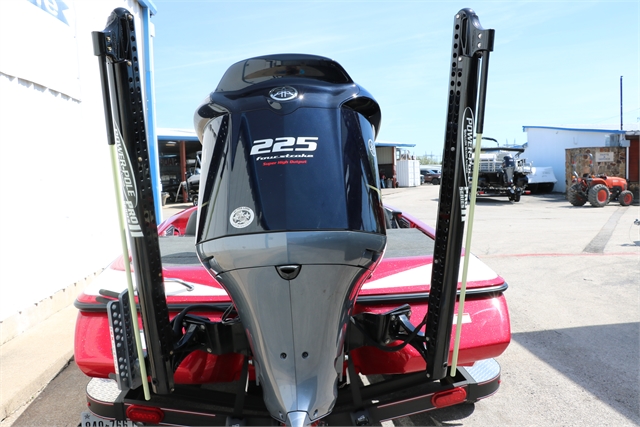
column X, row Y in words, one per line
column 634, row 160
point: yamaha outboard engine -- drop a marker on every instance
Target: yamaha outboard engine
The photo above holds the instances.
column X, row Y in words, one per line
column 290, row 219
column 508, row 167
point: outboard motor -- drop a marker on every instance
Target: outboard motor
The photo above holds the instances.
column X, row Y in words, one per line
column 508, row 167
column 290, row 219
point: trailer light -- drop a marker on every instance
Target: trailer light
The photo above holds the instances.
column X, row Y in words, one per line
column 145, row 414
column 449, row 397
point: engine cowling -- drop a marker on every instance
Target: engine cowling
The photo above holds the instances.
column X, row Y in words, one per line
column 290, row 219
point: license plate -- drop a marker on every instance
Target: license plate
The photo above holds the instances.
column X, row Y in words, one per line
column 89, row 419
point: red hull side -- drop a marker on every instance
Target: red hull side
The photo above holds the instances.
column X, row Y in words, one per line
column 93, row 355
column 485, row 334
column 485, row 331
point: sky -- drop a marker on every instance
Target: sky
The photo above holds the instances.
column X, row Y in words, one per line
column 554, row 63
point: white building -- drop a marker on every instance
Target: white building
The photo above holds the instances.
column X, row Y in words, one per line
column 396, row 164
column 59, row 219
column 547, row 145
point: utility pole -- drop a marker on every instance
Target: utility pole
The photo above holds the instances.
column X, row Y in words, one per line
column 621, row 103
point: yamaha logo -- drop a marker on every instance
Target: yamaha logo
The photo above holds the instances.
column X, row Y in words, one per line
column 284, row 93
column 372, row 147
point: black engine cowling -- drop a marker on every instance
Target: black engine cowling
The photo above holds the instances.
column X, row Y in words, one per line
column 290, row 218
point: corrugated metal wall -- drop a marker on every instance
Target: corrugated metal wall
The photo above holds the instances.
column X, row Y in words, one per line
column 385, row 155
column 55, row 149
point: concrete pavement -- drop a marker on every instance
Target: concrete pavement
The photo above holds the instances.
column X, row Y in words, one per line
column 32, row 359
column 573, row 297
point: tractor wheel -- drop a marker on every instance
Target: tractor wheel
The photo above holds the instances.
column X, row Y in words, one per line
column 599, row 195
column 575, row 195
column 625, row 198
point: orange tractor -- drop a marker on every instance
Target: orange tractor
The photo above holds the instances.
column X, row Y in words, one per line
column 599, row 189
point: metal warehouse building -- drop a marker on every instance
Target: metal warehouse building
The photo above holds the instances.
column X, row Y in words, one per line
column 60, row 225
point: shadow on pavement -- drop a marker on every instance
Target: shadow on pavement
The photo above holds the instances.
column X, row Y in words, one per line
column 494, row 200
column 601, row 359
column 61, row 402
